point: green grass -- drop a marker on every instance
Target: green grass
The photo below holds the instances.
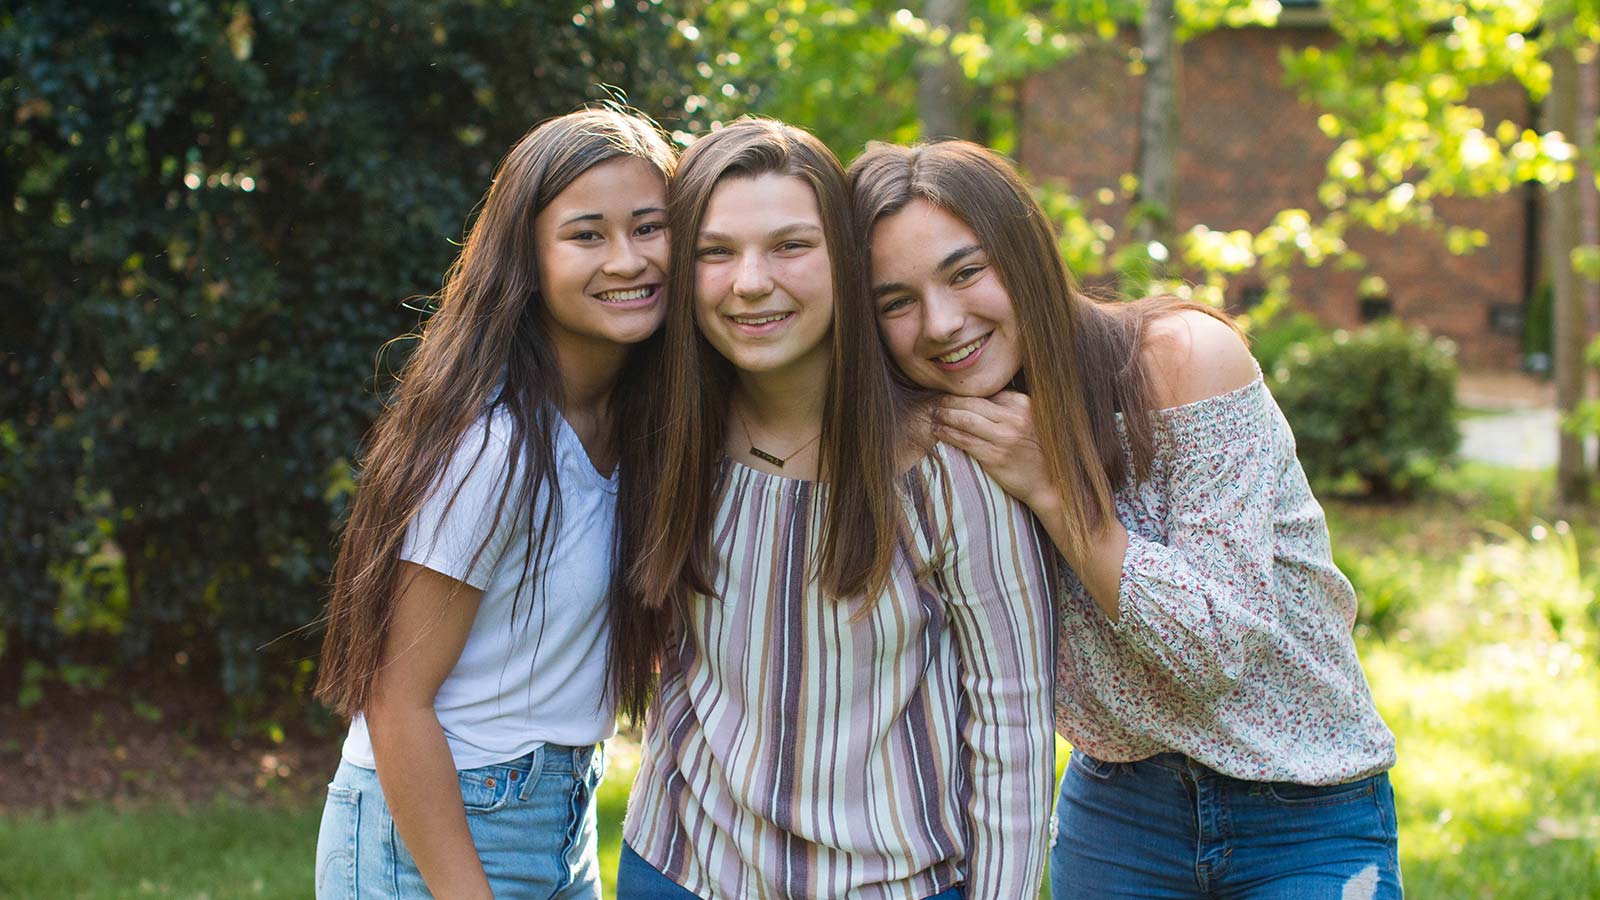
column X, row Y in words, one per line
column 1485, row 665
column 1481, row 641
column 227, row 851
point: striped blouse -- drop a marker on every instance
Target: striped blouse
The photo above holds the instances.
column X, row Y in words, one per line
column 802, row 747
column 1232, row 644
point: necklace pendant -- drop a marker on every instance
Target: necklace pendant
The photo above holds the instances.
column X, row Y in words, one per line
column 764, row 456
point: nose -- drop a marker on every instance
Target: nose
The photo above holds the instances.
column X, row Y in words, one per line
column 624, row 260
column 753, row 279
column 942, row 317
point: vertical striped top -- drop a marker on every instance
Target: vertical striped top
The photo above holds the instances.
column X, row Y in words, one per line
column 805, row 747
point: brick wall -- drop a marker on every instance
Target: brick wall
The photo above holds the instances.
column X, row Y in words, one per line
column 1250, row 148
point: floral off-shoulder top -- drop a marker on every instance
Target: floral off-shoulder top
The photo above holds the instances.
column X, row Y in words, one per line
column 1233, row 642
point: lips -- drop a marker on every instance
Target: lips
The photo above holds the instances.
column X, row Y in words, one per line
column 758, row 324
column 963, row 356
column 630, row 298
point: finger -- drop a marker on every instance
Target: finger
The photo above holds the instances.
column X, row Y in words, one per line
column 978, row 406
column 974, row 446
column 1015, row 401
column 973, row 424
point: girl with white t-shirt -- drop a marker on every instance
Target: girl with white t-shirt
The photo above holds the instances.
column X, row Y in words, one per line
column 468, row 627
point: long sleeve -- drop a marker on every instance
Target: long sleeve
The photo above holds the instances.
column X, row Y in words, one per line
column 997, row 594
column 1232, row 644
column 1201, row 602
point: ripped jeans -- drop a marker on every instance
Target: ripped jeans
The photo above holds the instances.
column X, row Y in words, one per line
column 1167, row 828
column 532, row 820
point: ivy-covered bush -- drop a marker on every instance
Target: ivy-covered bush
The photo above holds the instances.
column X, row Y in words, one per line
column 1376, row 405
column 210, row 216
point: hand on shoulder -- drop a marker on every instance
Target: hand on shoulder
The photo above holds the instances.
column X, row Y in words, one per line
column 1192, row 356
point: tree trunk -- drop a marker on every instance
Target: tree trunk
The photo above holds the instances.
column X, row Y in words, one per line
column 1588, row 195
column 1156, row 202
column 942, row 108
column 1571, row 319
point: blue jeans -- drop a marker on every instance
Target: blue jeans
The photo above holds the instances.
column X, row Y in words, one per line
column 532, row 820
column 1167, row 827
column 638, row 880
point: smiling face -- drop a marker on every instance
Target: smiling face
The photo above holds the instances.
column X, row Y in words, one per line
column 944, row 315
column 602, row 250
column 763, row 277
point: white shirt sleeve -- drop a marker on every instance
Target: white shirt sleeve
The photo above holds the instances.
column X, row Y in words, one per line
column 459, row 514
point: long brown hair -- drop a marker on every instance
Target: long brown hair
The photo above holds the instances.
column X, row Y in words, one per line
column 484, row 347
column 669, row 534
column 1081, row 358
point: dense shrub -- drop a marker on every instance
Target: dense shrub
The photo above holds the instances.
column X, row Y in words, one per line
column 1376, row 405
column 210, row 214
column 1270, row 340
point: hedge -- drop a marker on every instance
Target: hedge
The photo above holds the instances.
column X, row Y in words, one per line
column 212, row 215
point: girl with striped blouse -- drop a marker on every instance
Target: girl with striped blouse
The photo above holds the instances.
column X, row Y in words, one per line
column 853, row 696
column 1225, row 742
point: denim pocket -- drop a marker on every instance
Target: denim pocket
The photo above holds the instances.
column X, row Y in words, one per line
column 336, row 844
column 1305, row 796
column 1093, row 768
column 488, row 788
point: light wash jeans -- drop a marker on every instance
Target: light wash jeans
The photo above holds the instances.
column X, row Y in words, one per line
column 532, row 820
column 1168, row 828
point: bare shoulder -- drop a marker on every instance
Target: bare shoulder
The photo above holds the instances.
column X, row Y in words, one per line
column 1192, row 356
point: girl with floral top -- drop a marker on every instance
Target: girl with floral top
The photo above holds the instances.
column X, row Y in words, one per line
column 854, row 693
column 1225, row 741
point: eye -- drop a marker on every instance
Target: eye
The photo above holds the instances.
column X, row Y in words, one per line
column 967, row 273
column 893, row 305
column 652, row 228
column 711, row 252
column 792, row 246
column 584, row 236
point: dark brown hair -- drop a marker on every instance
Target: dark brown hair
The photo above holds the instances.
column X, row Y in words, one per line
column 1081, row 358
column 484, row 347
column 669, row 534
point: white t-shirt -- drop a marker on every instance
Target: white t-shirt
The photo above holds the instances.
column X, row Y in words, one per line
column 539, row 678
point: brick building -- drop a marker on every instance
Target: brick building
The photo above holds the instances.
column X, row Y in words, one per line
column 1249, row 148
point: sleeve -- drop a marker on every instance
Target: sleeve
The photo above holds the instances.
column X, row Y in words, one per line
column 1201, row 602
column 459, row 515
column 998, row 593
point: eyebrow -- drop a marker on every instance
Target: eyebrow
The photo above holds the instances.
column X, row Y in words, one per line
column 600, row 217
column 956, row 255
column 782, row 232
column 950, row 259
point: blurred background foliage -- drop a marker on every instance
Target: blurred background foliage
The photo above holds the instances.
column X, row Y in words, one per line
column 212, row 214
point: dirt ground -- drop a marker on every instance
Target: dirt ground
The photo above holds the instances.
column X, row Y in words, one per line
column 73, row 750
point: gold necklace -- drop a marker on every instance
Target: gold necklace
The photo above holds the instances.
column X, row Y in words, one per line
column 763, row 455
